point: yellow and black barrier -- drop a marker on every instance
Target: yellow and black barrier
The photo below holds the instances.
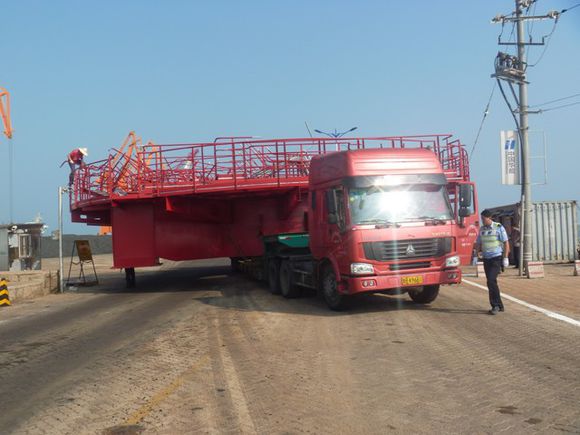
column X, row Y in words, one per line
column 4, row 296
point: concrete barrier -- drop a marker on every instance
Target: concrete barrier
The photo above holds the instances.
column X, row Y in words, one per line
column 4, row 295
column 31, row 284
column 535, row 269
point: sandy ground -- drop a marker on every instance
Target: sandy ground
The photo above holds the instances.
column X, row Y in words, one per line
column 197, row 350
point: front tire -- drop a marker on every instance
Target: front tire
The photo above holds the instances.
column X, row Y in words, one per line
column 425, row 296
column 329, row 286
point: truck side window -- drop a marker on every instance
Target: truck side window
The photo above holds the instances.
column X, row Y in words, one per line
column 330, row 201
column 340, row 210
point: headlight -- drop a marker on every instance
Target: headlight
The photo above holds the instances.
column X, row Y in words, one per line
column 452, row 261
column 361, row 269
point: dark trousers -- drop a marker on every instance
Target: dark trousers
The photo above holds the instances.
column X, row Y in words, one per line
column 516, row 254
column 492, row 267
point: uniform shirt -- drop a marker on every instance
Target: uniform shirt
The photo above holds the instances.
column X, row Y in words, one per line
column 497, row 235
column 75, row 156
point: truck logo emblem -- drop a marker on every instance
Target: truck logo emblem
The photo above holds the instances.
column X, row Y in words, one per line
column 410, row 250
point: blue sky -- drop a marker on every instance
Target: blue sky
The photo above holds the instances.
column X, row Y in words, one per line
column 86, row 73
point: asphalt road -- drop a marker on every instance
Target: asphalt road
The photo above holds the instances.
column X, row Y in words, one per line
column 197, row 350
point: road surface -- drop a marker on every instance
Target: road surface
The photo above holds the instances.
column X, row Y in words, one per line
column 196, row 349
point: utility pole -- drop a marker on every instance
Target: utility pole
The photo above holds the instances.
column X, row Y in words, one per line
column 513, row 70
column 61, row 190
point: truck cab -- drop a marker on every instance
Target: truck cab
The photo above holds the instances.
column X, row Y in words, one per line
column 381, row 220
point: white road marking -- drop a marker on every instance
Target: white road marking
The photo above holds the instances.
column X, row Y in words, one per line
column 532, row 307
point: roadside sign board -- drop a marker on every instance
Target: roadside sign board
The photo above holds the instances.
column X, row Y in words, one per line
column 84, row 250
column 510, row 157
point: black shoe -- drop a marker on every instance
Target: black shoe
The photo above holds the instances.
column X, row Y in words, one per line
column 494, row 311
column 501, row 309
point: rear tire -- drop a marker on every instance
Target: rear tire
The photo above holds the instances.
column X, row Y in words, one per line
column 329, row 287
column 274, row 276
column 425, row 296
column 288, row 289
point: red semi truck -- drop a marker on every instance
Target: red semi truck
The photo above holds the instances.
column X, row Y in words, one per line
column 342, row 216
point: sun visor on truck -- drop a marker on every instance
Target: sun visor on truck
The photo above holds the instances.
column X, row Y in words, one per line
column 395, row 180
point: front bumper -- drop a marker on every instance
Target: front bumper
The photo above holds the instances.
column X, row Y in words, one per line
column 376, row 283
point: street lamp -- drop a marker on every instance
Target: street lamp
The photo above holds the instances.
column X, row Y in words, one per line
column 336, row 134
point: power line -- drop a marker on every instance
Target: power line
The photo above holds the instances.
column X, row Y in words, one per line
column 511, row 109
column 530, row 25
column 559, row 107
column 556, row 101
column 485, row 113
column 569, row 9
column 511, row 33
column 549, row 38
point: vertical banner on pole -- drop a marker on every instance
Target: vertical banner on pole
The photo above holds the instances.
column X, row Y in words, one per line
column 510, row 157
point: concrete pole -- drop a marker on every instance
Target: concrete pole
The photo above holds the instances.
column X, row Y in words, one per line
column 60, row 266
column 526, row 224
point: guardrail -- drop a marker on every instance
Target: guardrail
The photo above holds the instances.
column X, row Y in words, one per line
column 157, row 170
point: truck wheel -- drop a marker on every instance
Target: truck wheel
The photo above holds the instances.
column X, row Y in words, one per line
column 273, row 277
column 287, row 287
column 425, row 296
column 235, row 263
column 336, row 301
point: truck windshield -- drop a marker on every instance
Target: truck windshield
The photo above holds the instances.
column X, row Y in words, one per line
column 403, row 203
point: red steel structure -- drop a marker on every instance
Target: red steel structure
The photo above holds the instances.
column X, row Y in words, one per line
column 220, row 199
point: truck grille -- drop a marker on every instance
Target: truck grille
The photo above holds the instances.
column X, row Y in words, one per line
column 393, row 250
column 414, row 265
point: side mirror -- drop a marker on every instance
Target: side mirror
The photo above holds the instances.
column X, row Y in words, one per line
column 332, row 219
column 465, row 197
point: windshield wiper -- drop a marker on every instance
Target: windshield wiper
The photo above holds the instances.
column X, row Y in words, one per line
column 379, row 223
column 430, row 220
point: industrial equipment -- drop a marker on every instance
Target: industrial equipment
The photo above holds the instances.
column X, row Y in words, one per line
column 5, row 112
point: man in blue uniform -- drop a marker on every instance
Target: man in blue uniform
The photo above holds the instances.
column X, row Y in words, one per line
column 492, row 243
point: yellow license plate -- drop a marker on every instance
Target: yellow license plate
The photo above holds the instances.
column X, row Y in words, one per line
column 411, row 280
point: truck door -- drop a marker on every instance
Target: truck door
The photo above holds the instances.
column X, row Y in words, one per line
column 468, row 220
column 335, row 225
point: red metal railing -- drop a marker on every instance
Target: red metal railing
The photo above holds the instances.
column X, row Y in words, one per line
column 158, row 170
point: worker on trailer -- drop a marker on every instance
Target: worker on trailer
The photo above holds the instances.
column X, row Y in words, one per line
column 75, row 158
